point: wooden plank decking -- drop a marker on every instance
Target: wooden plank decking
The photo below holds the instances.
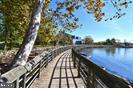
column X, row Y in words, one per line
column 59, row 73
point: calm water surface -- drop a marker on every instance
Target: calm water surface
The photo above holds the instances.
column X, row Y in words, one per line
column 118, row 61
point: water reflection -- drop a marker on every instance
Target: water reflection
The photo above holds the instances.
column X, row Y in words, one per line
column 113, row 51
column 118, row 61
column 125, row 51
column 88, row 52
column 110, row 51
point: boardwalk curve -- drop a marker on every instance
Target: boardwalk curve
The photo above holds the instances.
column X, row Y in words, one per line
column 60, row 73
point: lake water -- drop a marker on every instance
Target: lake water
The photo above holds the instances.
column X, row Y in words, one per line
column 118, row 61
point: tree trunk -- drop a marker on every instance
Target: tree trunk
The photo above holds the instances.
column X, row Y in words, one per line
column 30, row 37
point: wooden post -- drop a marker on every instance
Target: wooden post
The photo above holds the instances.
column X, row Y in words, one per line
column 72, row 54
column 79, row 63
column 60, row 51
column 54, row 54
column 93, row 79
column 51, row 55
column 47, row 59
column 23, row 83
column 0, row 75
column 17, row 83
column 88, row 78
column 39, row 72
column 74, row 59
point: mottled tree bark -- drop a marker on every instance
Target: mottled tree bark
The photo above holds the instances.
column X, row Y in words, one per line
column 30, row 37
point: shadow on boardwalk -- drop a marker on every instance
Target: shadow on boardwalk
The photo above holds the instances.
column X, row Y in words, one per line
column 60, row 73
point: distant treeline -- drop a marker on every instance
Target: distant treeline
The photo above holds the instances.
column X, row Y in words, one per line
column 109, row 42
column 42, row 40
column 89, row 40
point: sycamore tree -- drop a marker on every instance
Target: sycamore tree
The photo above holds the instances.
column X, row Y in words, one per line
column 60, row 17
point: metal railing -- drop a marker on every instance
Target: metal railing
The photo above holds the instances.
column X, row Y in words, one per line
column 93, row 75
column 24, row 76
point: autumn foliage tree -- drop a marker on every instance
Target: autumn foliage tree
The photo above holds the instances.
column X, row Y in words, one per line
column 88, row 40
column 60, row 17
column 15, row 20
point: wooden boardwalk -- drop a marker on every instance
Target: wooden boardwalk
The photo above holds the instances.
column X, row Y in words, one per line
column 59, row 73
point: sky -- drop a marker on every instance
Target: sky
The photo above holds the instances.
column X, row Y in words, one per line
column 121, row 29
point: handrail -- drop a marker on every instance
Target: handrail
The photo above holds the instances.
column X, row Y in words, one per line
column 93, row 75
column 24, row 76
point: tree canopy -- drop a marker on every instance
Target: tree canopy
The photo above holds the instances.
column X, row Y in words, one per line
column 88, row 40
column 111, row 41
column 18, row 15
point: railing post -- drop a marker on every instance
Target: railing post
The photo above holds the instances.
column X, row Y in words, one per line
column 39, row 72
column 54, row 54
column 46, row 57
column 57, row 51
column 60, row 50
column 88, row 78
column 23, row 83
column 93, row 78
column 74, row 59
column 79, row 63
column 51, row 56
column 17, row 83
